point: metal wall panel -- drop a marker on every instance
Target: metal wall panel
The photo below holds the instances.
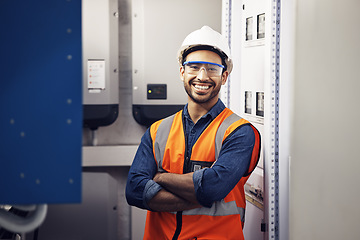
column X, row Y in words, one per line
column 94, row 219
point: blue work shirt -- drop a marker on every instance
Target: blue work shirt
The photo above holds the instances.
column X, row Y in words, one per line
column 211, row 184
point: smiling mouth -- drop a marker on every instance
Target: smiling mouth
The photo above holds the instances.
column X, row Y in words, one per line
column 201, row 87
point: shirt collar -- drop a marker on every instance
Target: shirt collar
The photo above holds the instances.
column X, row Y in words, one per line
column 214, row 111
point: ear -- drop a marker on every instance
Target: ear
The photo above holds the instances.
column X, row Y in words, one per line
column 224, row 77
column 182, row 72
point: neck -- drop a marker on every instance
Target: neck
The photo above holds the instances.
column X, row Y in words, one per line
column 197, row 110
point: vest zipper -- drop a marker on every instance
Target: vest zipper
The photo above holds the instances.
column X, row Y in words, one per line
column 186, row 157
column 178, row 225
column 186, row 160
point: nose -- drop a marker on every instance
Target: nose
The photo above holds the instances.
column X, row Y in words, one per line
column 202, row 74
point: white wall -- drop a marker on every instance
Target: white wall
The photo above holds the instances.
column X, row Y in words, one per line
column 324, row 175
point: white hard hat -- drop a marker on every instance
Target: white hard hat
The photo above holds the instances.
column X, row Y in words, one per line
column 206, row 36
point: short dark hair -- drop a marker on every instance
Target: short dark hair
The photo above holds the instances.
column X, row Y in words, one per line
column 204, row 47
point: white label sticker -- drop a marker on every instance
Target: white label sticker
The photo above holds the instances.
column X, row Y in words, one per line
column 96, row 74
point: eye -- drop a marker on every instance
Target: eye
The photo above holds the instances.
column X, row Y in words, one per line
column 212, row 69
column 193, row 66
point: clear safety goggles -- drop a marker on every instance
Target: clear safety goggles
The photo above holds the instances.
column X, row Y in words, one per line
column 211, row 69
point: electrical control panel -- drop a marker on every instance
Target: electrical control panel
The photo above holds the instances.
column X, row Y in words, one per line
column 252, row 89
column 100, row 62
column 245, row 92
column 156, row 37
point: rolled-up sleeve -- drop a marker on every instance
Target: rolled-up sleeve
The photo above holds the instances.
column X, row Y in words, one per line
column 140, row 187
column 215, row 183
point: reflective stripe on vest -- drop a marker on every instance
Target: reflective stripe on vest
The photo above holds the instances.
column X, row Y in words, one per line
column 221, row 132
column 161, row 139
column 220, row 208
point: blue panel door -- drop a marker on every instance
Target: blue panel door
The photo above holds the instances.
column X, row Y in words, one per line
column 40, row 101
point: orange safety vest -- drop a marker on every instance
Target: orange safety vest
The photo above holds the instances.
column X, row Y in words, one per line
column 225, row 219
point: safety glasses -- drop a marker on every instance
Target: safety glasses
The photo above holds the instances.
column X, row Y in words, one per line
column 211, row 69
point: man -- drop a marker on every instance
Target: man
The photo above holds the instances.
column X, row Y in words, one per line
column 190, row 168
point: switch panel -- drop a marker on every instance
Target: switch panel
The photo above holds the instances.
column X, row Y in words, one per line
column 260, row 104
column 249, row 28
column 261, row 26
column 248, row 102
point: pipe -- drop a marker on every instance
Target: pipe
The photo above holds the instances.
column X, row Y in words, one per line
column 94, row 137
column 18, row 224
column 25, row 208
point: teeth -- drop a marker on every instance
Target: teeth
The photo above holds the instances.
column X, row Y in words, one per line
column 202, row 87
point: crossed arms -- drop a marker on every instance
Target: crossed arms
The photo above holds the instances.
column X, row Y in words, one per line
column 178, row 193
column 148, row 189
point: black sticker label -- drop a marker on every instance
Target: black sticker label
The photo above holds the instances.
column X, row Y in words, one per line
column 197, row 165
